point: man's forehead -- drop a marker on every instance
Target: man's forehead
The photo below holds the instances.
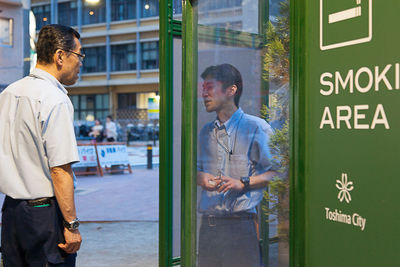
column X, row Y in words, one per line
column 78, row 45
column 210, row 81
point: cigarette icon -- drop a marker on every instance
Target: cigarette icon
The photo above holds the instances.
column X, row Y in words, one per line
column 345, row 14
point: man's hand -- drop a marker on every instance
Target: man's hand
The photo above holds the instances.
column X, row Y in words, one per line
column 229, row 183
column 73, row 241
column 208, row 181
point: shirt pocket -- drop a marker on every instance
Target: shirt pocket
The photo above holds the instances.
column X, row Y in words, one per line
column 238, row 166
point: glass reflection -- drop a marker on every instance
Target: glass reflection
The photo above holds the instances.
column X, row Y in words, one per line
column 234, row 167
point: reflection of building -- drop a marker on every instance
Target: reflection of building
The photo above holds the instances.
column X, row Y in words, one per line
column 238, row 15
column 14, row 40
column 120, row 40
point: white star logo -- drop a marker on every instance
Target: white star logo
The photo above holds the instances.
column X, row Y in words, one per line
column 345, row 187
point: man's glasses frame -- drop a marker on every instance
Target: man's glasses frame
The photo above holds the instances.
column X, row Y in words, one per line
column 81, row 56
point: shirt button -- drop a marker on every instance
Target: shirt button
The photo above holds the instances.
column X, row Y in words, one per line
column 219, row 158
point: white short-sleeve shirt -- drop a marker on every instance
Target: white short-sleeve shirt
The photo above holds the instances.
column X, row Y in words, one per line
column 36, row 134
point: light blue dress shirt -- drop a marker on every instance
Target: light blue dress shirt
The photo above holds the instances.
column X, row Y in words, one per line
column 36, row 133
column 238, row 148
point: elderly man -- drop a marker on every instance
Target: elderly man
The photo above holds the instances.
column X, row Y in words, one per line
column 37, row 148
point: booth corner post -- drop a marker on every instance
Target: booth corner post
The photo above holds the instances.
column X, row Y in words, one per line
column 189, row 133
column 166, row 134
column 297, row 133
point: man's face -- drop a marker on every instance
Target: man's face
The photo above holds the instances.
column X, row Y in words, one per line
column 214, row 96
column 71, row 65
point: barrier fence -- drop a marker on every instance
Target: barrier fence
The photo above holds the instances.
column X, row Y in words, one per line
column 97, row 158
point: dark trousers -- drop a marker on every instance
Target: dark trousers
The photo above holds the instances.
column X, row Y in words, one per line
column 30, row 235
column 230, row 242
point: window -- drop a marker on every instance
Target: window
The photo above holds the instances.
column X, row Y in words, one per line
column 67, row 13
column 90, row 105
column 94, row 13
column 149, row 55
column 213, row 5
column 233, row 25
column 6, row 32
column 123, row 57
column 177, row 6
column 95, row 60
column 127, row 101
column 149, row 8
column 123, row 9
column 42, row 15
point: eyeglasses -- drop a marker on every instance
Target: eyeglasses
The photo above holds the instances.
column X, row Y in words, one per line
column 81, row 56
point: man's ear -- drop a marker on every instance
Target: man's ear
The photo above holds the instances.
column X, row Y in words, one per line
column 232, row 90
column 58, row 57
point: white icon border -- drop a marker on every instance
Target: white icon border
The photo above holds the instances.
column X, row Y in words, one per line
column 346, row 43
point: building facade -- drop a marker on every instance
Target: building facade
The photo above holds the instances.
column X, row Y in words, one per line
column 120, row 39
column 14, row 41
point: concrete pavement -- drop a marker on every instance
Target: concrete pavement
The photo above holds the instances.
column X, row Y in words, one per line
column 119, row 215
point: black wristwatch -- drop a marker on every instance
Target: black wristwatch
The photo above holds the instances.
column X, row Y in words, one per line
column 72, row 225
column 246, row 181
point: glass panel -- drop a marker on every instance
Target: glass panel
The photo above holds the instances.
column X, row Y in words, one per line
column 99, row 115
column 42, row 15
column 149, row 8
column 83, row 102
column 150, row 55
column 93, row 13
column 99, row 101
column 177, row 9
column 177, row 82
column 123, row 9
column 106, row 101
column 90, row 102
column 95, row 61
column 242, row 137
column 123, row 57
column 74, row 100
column 67, row 13
column 127, row 101
column 230, row 14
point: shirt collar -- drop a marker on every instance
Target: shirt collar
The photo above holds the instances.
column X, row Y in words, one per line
column 230, row 124
column 42, row 74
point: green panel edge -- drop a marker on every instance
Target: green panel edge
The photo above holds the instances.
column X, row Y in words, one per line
column 189, row 134
column 298, row 133
column 166, row 135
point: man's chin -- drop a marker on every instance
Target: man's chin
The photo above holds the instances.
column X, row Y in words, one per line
column 209, row 109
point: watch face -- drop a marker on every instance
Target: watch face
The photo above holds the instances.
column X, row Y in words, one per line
column 245, row 181
column 75, row 225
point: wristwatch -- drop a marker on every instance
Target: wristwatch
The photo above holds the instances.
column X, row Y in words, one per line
column 246, row 181
column 72, row 225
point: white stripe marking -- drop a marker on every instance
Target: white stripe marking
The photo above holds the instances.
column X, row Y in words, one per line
column 345, row 15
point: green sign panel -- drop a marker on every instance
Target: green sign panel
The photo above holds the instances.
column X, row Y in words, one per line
column 352, row 172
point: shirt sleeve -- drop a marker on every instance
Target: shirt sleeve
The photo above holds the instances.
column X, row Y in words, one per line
column 59, row 136
column 260, row 153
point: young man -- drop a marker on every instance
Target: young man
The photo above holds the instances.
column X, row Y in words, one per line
column 38, row 146
column 234, row 167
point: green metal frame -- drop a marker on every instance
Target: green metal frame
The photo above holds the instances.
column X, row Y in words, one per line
column 166, row 130
column 189, row 139
column 297, row 130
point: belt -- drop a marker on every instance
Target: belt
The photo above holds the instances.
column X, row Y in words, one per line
column 44, row 201
column 212, row 219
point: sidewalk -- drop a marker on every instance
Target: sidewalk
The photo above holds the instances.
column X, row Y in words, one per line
column 122, row 211
column 119, row 215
